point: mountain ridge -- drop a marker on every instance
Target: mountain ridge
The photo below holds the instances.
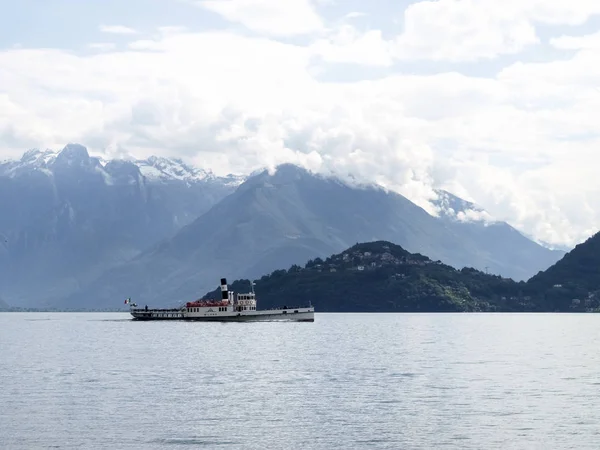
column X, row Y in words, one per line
column 289, row 216
column 80, row 223
column 154, row 168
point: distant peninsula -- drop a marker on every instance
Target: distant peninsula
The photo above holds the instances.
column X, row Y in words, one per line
column 383, row 277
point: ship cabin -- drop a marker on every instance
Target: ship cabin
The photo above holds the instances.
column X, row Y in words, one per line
column 204, row 307
column 245, row 302
column 232, row 303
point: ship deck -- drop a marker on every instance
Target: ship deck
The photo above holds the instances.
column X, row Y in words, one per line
column 300, row 314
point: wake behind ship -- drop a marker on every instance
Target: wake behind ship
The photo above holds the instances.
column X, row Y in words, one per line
column 232, row 307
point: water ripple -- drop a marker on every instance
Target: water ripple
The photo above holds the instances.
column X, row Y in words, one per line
column 346, row 381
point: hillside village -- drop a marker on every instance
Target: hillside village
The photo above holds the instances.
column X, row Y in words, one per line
column 367, row 257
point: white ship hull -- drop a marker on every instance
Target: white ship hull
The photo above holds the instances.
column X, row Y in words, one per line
column 283, row 315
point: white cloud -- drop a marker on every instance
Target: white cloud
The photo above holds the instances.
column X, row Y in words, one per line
column 522, row 144
column 271, row 17
column 590, row 41
column 348, row 45
column 469, row 30
column 117, row 29
column 464, row 30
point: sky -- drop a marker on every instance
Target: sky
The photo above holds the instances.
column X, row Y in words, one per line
column 493, row 101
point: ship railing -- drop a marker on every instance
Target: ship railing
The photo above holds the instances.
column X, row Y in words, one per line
column 281, row 308
column 162, row 310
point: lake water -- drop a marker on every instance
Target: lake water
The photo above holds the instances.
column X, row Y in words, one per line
column 346, row 381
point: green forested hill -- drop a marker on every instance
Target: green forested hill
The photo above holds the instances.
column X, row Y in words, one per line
column 380, row 276
column 383, row 277
column 573, row 280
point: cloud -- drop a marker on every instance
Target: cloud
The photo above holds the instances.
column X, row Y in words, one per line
column 471, row 30
column 348, row 45
column 354, row 15
column 461, row 31
column 590, row 41
column 117, row 29
column 521, row 143
column 102, row 46
column 270, row 17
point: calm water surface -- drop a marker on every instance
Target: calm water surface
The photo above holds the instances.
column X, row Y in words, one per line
column 346, row 381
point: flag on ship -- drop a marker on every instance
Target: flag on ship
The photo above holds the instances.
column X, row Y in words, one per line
column 127, row 301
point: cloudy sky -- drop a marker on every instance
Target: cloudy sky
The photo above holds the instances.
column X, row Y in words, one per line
column 492, row 100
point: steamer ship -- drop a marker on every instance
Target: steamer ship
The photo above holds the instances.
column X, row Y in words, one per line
column 232, row 307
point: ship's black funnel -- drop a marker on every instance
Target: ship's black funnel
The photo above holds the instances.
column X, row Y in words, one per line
column 224, row 291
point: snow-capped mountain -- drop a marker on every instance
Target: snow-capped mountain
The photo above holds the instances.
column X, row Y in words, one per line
column 168, row 169
column 68, row 216
column 153, row 169
column 33, row 159
column 455, row 209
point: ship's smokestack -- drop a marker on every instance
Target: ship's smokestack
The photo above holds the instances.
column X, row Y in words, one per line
column 224, row 291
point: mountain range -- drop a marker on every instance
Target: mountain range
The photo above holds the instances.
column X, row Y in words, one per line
column 85, row 232
column 68, row 217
